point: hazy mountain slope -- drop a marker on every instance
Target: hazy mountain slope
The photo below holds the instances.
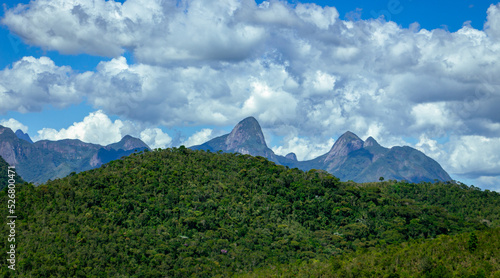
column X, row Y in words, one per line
column 43, row 160
column 404, row 163
column 21, row 135
column 128, row 143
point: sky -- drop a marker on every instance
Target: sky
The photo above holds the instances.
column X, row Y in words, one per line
column 419, row 73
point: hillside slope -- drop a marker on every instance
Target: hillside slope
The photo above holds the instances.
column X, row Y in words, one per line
column 445, row 256
column 4, row 174
column 179, row 212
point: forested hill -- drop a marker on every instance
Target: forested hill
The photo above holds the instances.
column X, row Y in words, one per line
column 4, row 174
column 183, row 213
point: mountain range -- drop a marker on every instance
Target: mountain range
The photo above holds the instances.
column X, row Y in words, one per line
column 43, row 160
column 350, row 158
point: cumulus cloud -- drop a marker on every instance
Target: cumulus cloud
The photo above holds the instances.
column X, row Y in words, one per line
column 304, row 148
column 471, row 157
column 492, row 25
column 31, row 84
column 475, row 156
column 98, row 128
column 302, row 71
column 155, row 138
column 199, row 137
column 14, row 125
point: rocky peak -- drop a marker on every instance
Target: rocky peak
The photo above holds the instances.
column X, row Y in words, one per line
column 370, row 142
column 247, row 132
column 346, row 143
column 291, row 156
column 21, row 135
column 4, row 129
column 128, row 143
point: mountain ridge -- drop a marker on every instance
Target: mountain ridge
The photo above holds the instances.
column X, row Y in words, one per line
column 46, row 159
column 21, row 135
column 350, row 158
column 245, row 138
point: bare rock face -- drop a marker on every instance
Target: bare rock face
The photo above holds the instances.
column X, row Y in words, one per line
column 346, row 144
column 370, row 142
column 246, row 132
column 291, row 156
column 245, row 138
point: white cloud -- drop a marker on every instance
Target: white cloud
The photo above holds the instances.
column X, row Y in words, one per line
column 323, row 18
column 95, row 27
column 474, row 155
column 303, row 148
column 14, row 125
column 473, row 158
column 199, row 137
column 492, row 25
column 31, row 84
column 156, row 138
column 271, row 104
column 98, row 128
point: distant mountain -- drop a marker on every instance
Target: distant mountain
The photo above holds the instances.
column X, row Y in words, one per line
column 43, row 160
column 350, row 158
column 21, row 135
column 245, row 138
column 291, row 156
column 128, row 143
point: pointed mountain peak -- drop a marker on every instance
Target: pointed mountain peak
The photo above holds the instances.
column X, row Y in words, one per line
column 21, row 135
column 128, row 143
column 247, row 132
column 291, row 156
column 249, row 121
column 349, row 136
column 370, row 142
column 346, row 143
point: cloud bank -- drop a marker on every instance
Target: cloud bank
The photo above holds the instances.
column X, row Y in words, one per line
column 98, row 128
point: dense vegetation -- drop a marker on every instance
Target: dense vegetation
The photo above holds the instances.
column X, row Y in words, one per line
column 182, row 213
column 4, row 174
column 444, row 256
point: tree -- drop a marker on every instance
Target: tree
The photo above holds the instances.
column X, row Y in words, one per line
column 472, row 242
column 381, row 179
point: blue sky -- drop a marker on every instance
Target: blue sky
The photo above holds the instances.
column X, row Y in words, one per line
column 408, row 72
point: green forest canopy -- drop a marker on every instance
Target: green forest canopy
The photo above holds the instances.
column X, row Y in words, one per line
column 181, row 213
